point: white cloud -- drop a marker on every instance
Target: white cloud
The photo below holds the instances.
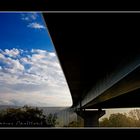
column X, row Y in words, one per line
column 12, row 65
column 1, row 56
column 36, row 25
column 33, row 16
column 35, row 79
column 38, row 51
column 12, row 53
column 31, row 20
column 29, row 16
column 25, row 18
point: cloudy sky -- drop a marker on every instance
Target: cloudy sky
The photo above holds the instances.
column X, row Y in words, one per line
column 30, row 73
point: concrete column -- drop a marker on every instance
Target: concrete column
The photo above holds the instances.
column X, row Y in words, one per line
column 91, row 118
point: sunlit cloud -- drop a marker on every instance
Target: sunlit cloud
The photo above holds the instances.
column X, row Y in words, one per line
column 34, row 79
column 12, row 53
column 36, row 25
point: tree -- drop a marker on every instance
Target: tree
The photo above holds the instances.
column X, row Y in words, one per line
column 117, row 120
column 51, row 120
column 104, row 123
column 25, row 116
column 74, row 124
column 135, row 115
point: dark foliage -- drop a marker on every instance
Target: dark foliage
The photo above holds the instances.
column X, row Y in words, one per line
column 26, row 117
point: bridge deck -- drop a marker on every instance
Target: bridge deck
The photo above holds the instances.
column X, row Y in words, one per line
column 91, row 46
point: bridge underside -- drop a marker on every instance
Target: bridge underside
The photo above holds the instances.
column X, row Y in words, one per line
column 92, row 46
column 123, row 94
column 129, row 100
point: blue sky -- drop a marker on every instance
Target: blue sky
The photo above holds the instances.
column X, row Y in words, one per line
column 30, row 73
column 24, row 30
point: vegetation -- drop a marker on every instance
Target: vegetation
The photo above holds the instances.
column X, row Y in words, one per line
column 26, row 117
column 33, row 117
column 78, row 123
column 132, row 119
column 73, row 124
column 51, row 120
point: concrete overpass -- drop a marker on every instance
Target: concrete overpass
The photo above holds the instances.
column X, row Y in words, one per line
column 100, row 57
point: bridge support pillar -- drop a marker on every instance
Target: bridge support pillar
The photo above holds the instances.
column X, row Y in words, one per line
column 91, row 118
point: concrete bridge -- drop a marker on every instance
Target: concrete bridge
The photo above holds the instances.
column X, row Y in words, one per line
column 100, row 57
